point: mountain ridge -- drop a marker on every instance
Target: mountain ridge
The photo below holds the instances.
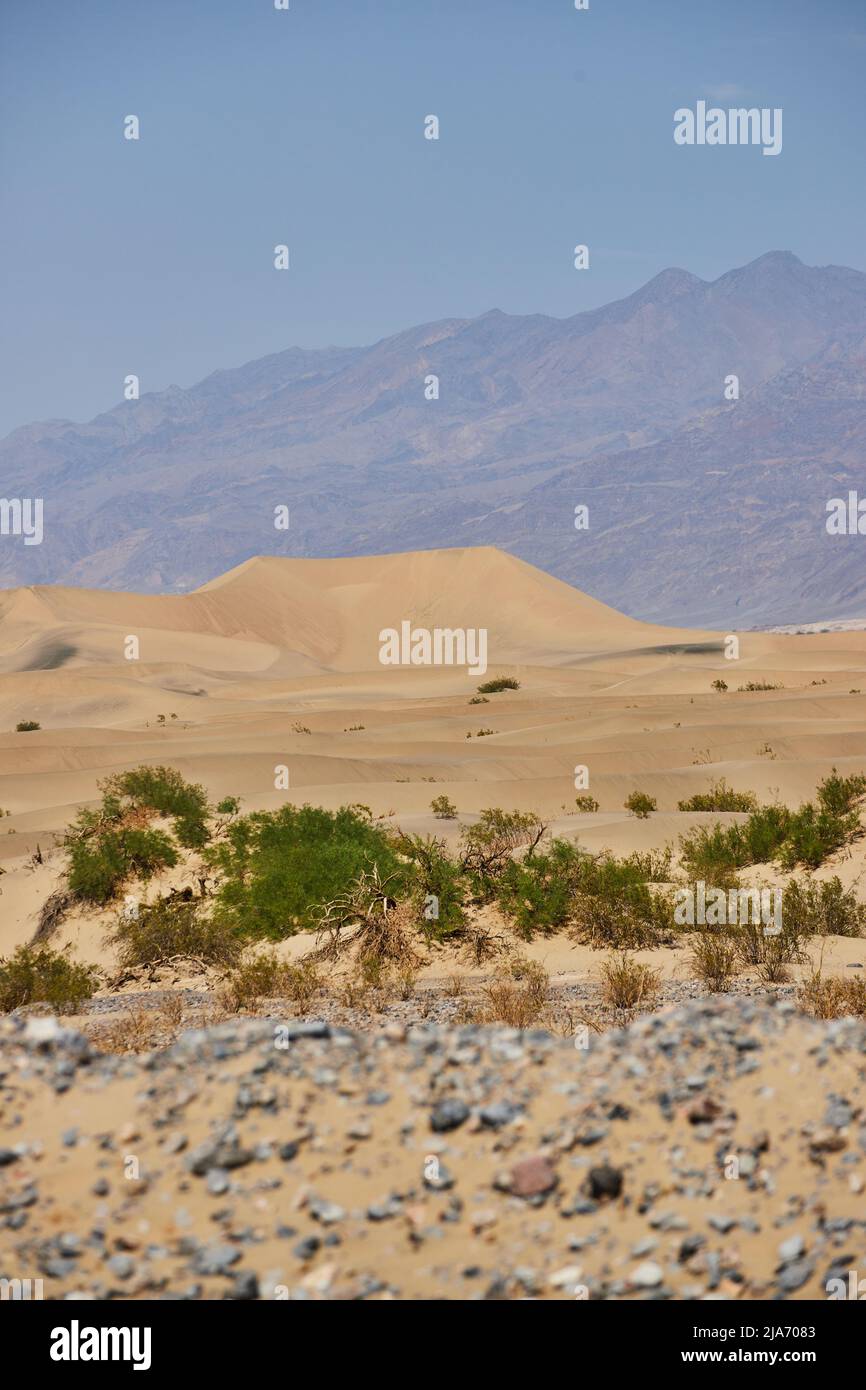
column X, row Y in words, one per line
column 163, row 493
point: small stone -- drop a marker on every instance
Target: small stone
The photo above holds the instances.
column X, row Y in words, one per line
column 647, row 1275
column 216, row 1259
column 704, row 1111
column 794, row 1276
column 533, row 1176
column 245, row 1285
column 791, row 1249
column 604, row 1182
column 722, row 1223
column 565, row 1278
column 306, row 1249
column 499, row 1114
column 448, row 1114
column 327, row 1213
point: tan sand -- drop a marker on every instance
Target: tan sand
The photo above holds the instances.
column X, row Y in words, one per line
column 277, row 662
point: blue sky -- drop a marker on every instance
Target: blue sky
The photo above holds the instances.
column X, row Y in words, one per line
column 306, row 127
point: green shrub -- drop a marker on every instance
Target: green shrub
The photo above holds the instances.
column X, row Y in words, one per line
column 585, row 802
column 653, row 866
column 442, row 808
column 493, row 687
column 99, row 866
column 169, row 927
column 640, row 804
column 715, row 853
column 488, row 846
column 277, row 867
column 605, row 899
column 434, row 875
column 816, row 832
column 824, row 909
column 720, row 797
column 714, row 959
column 27, row 726
column 264, row 976
column 43, row 976
column 538, row 892
column 720, row 684
column 164, row 790
column 839, row 795
column 771, row 953
column 761, row 685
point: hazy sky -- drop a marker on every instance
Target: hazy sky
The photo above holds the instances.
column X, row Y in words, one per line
column 306, row 127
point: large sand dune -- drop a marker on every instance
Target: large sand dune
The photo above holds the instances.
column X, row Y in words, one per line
column 277, row 663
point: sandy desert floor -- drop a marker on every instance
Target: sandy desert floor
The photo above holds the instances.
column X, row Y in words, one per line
column 276, row 665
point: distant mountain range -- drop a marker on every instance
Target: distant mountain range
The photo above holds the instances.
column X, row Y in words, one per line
column 701, row 510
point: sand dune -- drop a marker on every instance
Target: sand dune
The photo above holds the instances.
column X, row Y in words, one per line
column 276, row 663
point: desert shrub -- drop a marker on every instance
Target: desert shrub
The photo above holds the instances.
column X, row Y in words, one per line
column 813, row 835
column 517, row 995
column 815, row 832
column 263, row 975
column 759, row 838
column 366, row 919
column 164, row 790
column 436, row 883
column 761, row 685
column 27, row 726
column 720, row 797
column 606, row 900
column 406, row 978
column 442, row 808
column 615, row 907
column 832, row 997
column 627, row 983
column 255, row 978
column 113, row 843
column 653, row 866
column 99, row 867
column 621, row 920
column 770, row 950
column 585, row 802
column 492, row 687
column 537, row 893
column 640, row 804
column 714, row 959
column 719, row 684
column 488, row 846
column 277, row 867
column 714, row 853
column 824, row 909
column 31, row 976
column 479, row 700
column 170, row 927
column 840, row 795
